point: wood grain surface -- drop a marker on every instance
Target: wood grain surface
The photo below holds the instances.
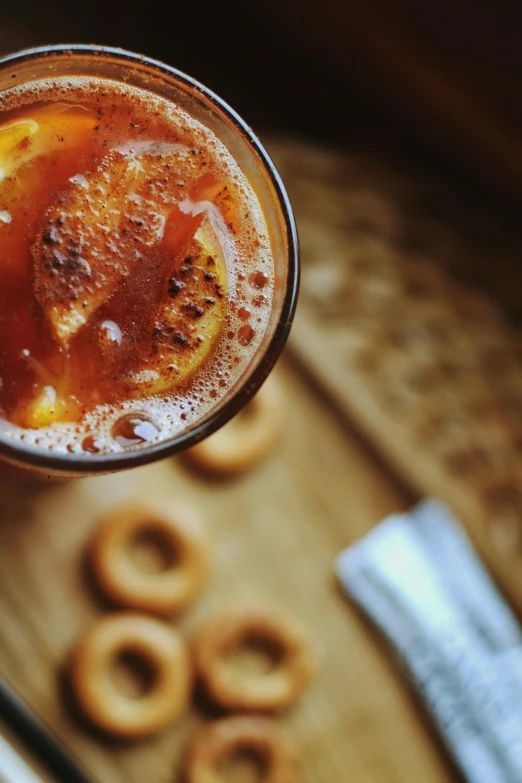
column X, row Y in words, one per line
column 275, row 533
column 409, row 319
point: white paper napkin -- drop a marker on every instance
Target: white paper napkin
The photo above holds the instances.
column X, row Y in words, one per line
column 419, row 580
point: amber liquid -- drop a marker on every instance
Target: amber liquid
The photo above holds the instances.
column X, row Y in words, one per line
column 135, row 270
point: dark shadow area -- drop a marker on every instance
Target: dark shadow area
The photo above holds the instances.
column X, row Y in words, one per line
column 261, row 64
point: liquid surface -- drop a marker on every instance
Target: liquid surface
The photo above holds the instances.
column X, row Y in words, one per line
column 136, row 274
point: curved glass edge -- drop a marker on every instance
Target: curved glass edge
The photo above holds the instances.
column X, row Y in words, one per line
column 85, row 465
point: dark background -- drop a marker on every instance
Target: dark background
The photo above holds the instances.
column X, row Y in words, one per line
column 436, row 80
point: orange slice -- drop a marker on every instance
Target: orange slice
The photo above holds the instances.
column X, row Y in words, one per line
column 27, row 138
column 99, row 230
column 191, row 315
column 47, row 407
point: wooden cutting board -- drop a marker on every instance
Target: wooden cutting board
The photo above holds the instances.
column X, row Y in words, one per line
column 275, row 533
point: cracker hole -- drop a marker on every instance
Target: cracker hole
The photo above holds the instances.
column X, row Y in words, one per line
column 243, row 766
column 256, row 655
column 154, row 552
column 132, row 674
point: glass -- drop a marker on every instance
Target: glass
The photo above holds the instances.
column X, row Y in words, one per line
column 118, row 65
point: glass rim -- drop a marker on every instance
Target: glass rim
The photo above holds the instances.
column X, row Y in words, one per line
column 91, row 464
